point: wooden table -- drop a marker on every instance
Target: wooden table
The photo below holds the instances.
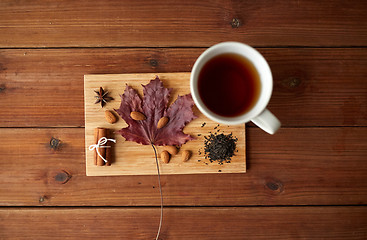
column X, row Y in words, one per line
column 307, row 181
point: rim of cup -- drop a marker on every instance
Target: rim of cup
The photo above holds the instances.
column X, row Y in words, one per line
column 260, row 64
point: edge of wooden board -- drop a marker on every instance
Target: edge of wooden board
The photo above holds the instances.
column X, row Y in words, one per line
column 113, row 79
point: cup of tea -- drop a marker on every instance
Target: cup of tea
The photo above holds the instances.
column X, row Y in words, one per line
column 231, row 83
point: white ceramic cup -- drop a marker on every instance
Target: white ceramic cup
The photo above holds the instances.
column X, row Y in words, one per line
column 258, row 114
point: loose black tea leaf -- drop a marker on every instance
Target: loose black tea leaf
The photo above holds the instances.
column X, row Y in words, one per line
column 220, row 147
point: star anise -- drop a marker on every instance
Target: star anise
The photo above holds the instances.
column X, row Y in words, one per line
column 102, row 97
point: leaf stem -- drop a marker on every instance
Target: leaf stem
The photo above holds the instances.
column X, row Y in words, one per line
column 160, row 191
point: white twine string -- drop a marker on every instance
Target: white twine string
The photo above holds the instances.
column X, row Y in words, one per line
column 102, row 141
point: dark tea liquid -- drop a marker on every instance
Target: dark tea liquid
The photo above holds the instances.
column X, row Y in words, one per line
column 229, row 85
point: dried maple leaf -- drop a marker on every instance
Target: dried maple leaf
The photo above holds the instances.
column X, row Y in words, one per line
column 154, row 107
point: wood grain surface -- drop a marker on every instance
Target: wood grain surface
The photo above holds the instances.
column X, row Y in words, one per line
column 312, row 86
column 296, row 166
column 186, row 223
column 308, row 181
column 182, row 23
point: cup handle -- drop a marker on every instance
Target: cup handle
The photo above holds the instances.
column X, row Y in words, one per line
column 267, row 122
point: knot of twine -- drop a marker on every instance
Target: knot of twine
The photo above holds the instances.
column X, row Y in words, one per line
column 100, row 144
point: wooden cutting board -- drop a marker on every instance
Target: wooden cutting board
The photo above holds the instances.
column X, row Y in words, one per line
column 131, row 158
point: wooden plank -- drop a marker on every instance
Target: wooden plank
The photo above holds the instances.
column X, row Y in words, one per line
column 182, row 23
column 185, row 223
column 131, row 158
column 43, row 88
column 296, row 166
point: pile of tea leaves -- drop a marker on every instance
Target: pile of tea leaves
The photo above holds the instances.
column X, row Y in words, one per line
column 220, row 147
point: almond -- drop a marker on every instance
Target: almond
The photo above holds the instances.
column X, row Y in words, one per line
column 171, row 149
column 138, row 116
column 186, row 154
column 110, row 117
column 165, row 156
column 162, row 122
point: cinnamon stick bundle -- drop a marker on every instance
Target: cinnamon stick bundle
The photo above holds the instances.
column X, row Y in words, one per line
column 95, row 156
column 102, row 132
column 108, row 150
column 104, row 152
